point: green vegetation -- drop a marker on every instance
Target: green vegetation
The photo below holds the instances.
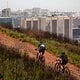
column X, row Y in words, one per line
column 57, row 48
column 53, row 44
column 13, row 66
column 19, row 36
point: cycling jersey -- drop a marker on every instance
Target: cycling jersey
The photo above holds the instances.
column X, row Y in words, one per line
column 64, row 59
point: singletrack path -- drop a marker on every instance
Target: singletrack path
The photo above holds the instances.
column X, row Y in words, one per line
column 30, row 49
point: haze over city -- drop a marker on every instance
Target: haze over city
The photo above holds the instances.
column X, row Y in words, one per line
column 53, row 5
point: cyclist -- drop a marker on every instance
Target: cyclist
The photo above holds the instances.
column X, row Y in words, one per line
column 41, row 48
column 64, row 59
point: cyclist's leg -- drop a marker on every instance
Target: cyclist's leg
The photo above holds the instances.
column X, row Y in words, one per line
column 63, row 65
column 37, row 55
column 43, row 51
column 39, row 51
column 66, row 72
column 43, row 58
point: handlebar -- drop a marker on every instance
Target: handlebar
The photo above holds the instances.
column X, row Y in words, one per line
column 59, row 61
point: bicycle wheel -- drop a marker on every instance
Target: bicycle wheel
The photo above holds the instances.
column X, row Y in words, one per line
column 66, row 72
column 57, row 68
column 42, row 61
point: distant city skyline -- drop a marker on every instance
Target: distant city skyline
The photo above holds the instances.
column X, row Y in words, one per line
column 52, row 5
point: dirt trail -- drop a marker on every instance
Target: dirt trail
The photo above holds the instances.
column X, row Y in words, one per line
column 27, row 47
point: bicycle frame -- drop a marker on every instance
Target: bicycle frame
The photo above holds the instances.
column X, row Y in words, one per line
column 40, row 58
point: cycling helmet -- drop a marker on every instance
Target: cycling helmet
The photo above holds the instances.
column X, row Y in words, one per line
column 62, row 53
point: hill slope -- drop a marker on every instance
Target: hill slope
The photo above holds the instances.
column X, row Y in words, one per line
column 13, row 66
column 30, row 49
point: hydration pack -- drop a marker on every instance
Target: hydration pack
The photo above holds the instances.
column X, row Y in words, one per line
column 42, row 46
column 64, row 58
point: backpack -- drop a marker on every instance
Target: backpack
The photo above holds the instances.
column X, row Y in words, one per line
column 64, row 58
column 42, row 46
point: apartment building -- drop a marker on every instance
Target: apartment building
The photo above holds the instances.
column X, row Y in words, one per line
column 6, row 22
column 6, row 12
column 76, row 28
column 60, row 25
column 42, row 22
column 68, row 27
column 9, row 22
column 33, row 23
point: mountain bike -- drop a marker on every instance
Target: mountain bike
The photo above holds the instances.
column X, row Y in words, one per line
column 62, row 69
column 40, row 59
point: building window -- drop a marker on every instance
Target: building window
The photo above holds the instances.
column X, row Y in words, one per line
column 78, row 26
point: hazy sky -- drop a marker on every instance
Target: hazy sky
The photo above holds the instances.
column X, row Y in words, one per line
column 60, row 5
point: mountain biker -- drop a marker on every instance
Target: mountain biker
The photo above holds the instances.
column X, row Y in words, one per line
column 41, row 48
column 64, row 59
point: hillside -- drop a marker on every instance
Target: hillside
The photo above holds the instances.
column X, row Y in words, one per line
column 14, row 66
column 54, row 45
column 23, row 46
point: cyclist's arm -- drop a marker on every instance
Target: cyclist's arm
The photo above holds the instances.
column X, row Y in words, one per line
column 58, row 58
